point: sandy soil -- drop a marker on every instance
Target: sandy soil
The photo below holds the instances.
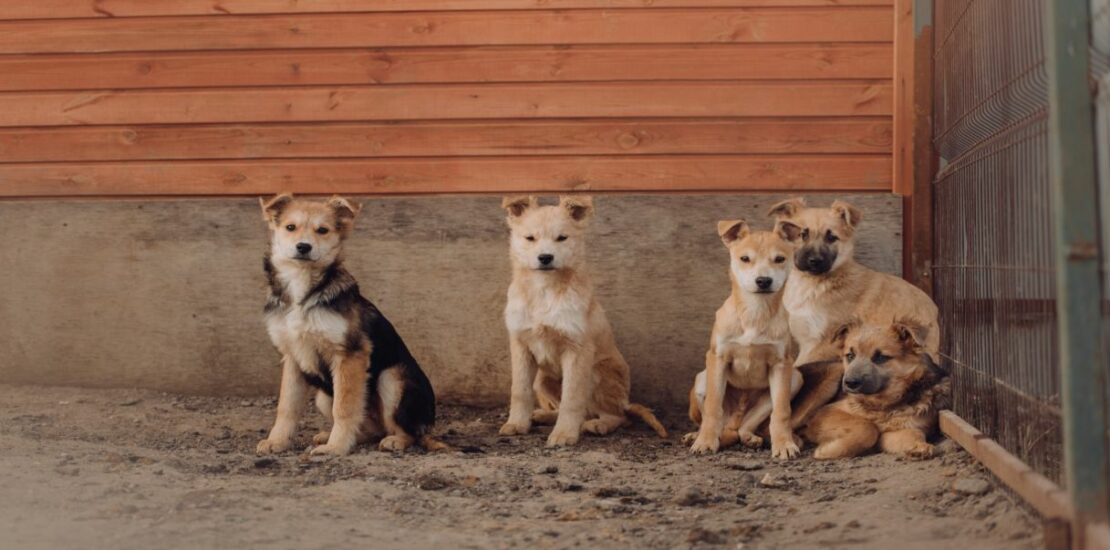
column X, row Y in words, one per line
column 133, row 469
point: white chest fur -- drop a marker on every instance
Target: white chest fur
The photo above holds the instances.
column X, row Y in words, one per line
column 564, row 312
column 808, row 322
column 306, row 334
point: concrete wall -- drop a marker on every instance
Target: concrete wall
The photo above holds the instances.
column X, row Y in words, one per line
column 167, row 294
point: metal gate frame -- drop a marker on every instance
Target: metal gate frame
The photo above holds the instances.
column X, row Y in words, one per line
column 1080, row 511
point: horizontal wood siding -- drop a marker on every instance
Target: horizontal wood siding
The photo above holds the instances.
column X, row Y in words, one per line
column 208, row 97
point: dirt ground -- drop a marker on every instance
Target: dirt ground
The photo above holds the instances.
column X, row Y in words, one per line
column 131, row 469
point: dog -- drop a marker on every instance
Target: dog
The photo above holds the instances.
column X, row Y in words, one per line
column 829, row 289
column 750, row 350
column 333, row 339
column 564, row 356
column 893, row 391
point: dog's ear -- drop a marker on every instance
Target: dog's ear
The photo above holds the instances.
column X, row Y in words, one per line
column 850, row 214
column 829, row 347
column 840, row 335
column 345, row 212
column 516, row 206
column 578, row 207
column 731, row 231
column 787, row 208
column 272, row 209
column 787, row 230
column 912, row 335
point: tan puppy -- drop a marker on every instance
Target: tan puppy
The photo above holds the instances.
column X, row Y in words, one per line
column 829, row 289
column 893, row 391
column 750, row 349
column 562, row 347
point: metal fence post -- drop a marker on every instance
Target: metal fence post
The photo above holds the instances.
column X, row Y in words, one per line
column 1078, row 306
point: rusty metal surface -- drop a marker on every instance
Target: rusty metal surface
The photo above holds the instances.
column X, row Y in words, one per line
column 994, row 270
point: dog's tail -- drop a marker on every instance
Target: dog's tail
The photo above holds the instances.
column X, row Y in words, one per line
column 432, row 444
column 645, row 414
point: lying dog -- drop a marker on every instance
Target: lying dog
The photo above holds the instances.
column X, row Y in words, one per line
column 892, row 393
column 331, row 338
column 750, row 350
column 828, row 289
column 562, row 347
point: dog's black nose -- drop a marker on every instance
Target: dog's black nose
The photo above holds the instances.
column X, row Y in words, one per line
column 763, row 282
column 545, row 259
column 304, row 248
column 814, row 261
column 853, row 383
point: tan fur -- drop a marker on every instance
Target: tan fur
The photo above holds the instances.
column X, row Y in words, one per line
column 750, row 351
column 564, row 356
column 819, row 303
column 900, row 416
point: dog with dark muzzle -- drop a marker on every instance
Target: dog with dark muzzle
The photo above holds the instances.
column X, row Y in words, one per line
column 829, row 289
column 892, row 392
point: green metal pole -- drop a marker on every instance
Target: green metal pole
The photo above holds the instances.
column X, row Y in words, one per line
column 1078, row 304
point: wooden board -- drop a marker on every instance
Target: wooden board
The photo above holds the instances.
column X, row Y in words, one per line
column 452, row 175
column 51, row 9
column 448, row 102
column 460, row 28
column 338, row 140
column 439, row 65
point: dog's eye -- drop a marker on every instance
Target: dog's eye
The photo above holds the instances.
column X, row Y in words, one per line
column 879, row 358
column 745, row 259
column 290, row 227
column 805, row 234
column 322, row 230
column 780, row 259
column 851, row 355
column 830, row 238
column 561, row 238
column 530, row 238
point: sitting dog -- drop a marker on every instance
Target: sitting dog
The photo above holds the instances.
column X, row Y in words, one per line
column 828, row 289
column 562, row 347
column 331, row 338
column 750, row 350
column 892, row 393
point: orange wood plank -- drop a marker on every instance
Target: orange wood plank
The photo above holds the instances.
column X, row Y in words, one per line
column 447, row 102
column 591, row 137
column 452, row 175
column 904, row 106
column 712, row 25
column 437, row 65
column 50, row 9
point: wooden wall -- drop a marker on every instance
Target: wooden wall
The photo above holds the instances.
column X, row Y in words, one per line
column 213, row 97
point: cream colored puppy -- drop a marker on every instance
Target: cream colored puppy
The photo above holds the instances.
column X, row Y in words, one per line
column 751, row 347
column 564, row 356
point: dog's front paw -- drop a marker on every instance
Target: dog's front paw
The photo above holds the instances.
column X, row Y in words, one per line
column 784, row 448
column 321, row 438
column 705, row 443
column 273, row 446
column 562, row 438
column 689, row 438
column 921, row 451
column 395, row 443
column 750, row 440
column 329, row 449
column 514, row 428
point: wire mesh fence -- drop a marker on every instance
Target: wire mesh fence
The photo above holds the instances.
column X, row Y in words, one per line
column 994, row 271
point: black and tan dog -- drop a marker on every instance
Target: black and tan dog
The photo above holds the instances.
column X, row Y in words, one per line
column 892, row 393
column 333, row 339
